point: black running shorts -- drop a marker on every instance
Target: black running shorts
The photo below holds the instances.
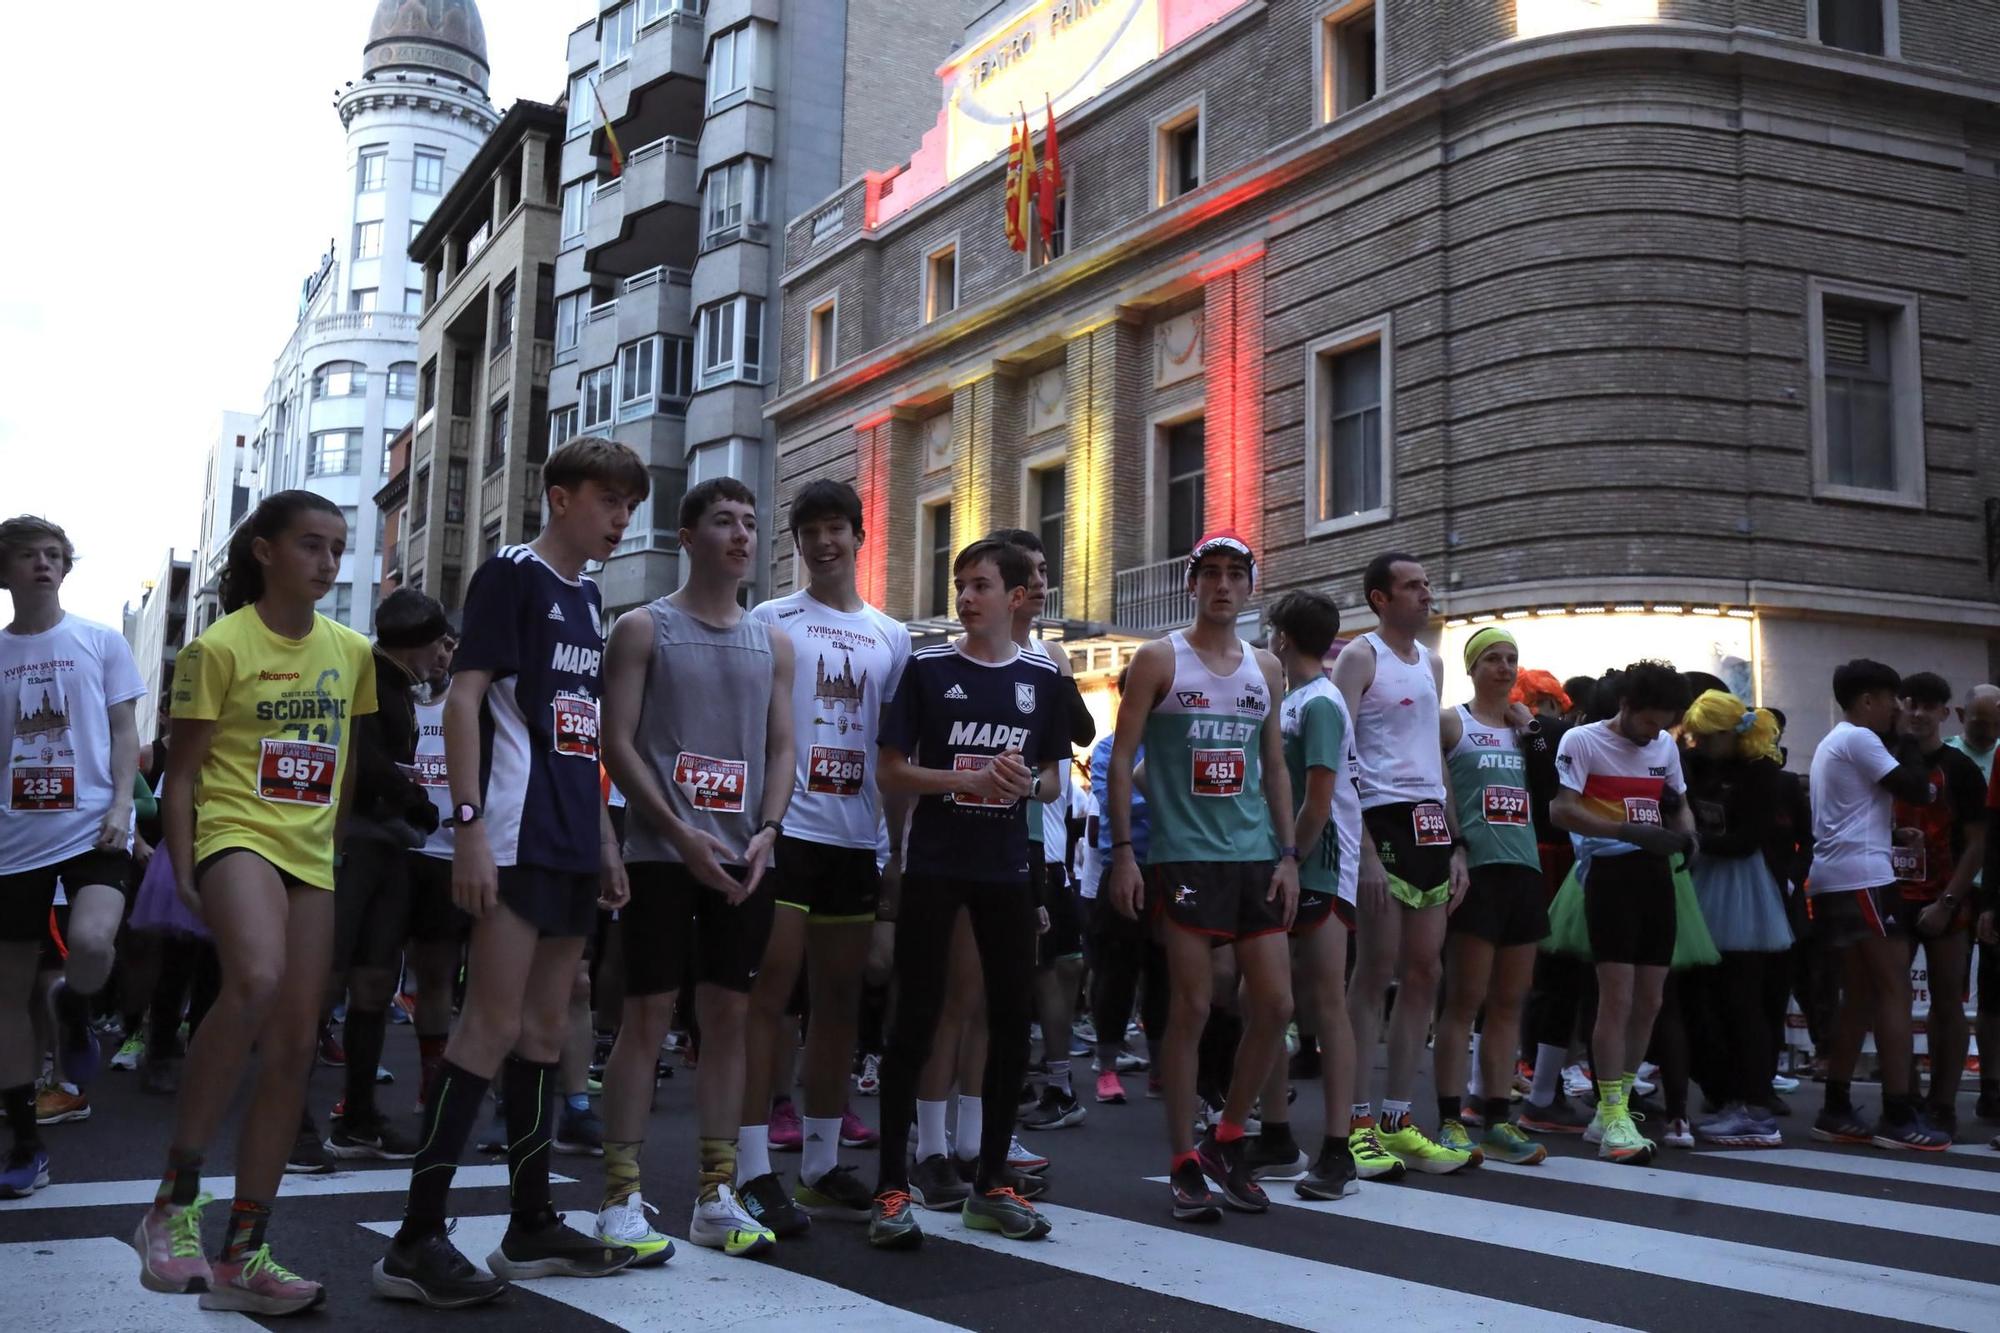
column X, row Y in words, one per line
column 1505, row 906
column 1628, row 905
column 25, row 897
column 676, row 927
column 1316, row 908
column 559, row 904
column 1414, row 844
column 833, row 886
column 1224, row 900
column 434, row 917
column 1843, row 917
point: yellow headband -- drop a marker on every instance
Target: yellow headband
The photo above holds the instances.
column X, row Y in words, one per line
column 1476, row 646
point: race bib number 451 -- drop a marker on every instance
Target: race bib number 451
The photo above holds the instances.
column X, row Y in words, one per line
column 1218, row 772
column 711, row 784
column 43, row 789
column 834, row 771
column 576, row 726
column 296, row 772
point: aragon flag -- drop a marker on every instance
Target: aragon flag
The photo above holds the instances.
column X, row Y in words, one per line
column 1017, row 225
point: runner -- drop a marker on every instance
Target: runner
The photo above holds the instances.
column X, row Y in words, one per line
column 1624, row 802
column 699, row 701
column 827, row 888
column 372, row 908
column 438, row 929
column 1123, row 950
column 258, row 787
column 973, row 729
column 533, row 855
column 1203, row 702
column 1413, row 854
column 68, row 695
column 1323, row 766
column 1491, row 938
column 1980, row 716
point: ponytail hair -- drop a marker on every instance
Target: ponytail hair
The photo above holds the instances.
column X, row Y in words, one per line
column 242, row 579
column 1756, row 729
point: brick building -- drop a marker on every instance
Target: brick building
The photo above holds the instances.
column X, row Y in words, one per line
column 1654, row 328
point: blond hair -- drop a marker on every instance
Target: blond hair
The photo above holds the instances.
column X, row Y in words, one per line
column 1756, row 729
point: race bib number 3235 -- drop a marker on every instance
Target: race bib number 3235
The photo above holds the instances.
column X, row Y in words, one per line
column 1430, row 826
column 296, row 772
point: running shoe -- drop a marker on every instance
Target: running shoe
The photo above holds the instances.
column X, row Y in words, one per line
column 936, row 1184
column 837, row 1194
column 1454, row 1135
column 1740, row 1127
column 1331, row 1178
column 1914, row 1135
column 854, row 1131
column 1372, row 1161
column 1987, row 1108
column 788, row 1132
column 765, row 1200
column 1622, row 1142
column 1268, row 1158
column 579, row 1133
column 131, row 1054
column 1784, row 1083
column 1594, row 1131
column 375, row 1140
column 1110, row 1092
column 1129, row 1063
column 1193, row 1201
column 1507, row 1144
column 1677, row 1133
column 547, row 1248
column 384, row 1075
column 1577, row 1081
column 1643, row 1084
column 81, row 1056
column 429, row 1270
column 1470, row 1115
column 259, row 1284
column 1084, row 1030
column 720, row 1223
column 161, row 1075
column 1006, row 1212
column 1524, row 1077
column 1056, row 1110
column 1841, row 1125
column 331, row 1052
column 308, row 1155
column 1021, row 1159
column 27, row 1170
column 1023, row 1184
column 1944, row 1119
column 1560, row 1116
column 1224, row 1164
column 1418, row 1151
column 169, row 1244
column 892, row 1223
column 868, row 1083
column 57, row 1105
column 623, row 1225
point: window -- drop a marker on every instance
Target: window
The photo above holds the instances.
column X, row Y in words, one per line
column 372, row 171
column 651, row 11
column 1177, row 155
column 448, row 592
column 1041, row 252
column 338, row 604
column 1867, row 394
column 362, row 301
column 570, row 311
column 496, row 437
column 1853, row 25
column 427, row 387
column 638, row 371
column 489, row 540
column 413, row 300
column 351, row 516
column 732, row 341
column 367, row 240
column 340, row 379
column 576, row 209
column 821, row 330
column 582, row 101
column 463, row 373
column 596, row 386
column 938, row 519
column 738, row 62
column 614, row 35
column 479, row 241
column 545, row 302
column 676, row 371
column 1348, row 477
column 427, row 174
column 1051, row 495
column 454, row 490
column 940, row 283
column 735, row 194
column 503, row 316
column 420, row 502
column 334, row 453
column 562, row 427
column 1186, row 457
column 1348, row 58
column 403, row 379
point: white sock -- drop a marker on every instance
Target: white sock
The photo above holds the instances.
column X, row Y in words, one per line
column 971, row 1122
column 1548, row 1073
column 1059, row 1076
column 1475, row 1086
column 1394, row 1115
column 822, row 1151
column 753, row 1152
column 931, row 1141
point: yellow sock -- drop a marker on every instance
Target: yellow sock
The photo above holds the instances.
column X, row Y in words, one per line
column 621, row 1172
column 718, row 1165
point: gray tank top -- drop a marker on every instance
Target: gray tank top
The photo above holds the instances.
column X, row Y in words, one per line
column 702, row 727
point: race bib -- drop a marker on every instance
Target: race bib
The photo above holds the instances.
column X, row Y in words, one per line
column 43, row 789
column 1507, row 806
column 430, row 770
column 1911, row 860
column 834, row 771
column 1642, row 810
column 576, row 726
column 972, row 763
column 1432, row 828
column 711, row 784
column 297, row 772
column 1217, row 773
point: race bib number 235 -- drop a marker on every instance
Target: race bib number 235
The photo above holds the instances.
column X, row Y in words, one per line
column 36, row 788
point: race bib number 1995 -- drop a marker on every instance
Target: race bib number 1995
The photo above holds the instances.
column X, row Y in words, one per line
column 39, row 788
column 1642, row 810
column 296, row 772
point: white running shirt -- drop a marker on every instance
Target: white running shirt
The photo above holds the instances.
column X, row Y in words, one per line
column 1396, row 733
column 1853, row 813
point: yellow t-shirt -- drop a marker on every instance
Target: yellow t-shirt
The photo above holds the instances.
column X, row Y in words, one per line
column 282, row 709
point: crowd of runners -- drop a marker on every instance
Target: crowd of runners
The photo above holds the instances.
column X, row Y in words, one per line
column 800, row 858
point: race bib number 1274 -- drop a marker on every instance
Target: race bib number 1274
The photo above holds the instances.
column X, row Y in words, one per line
column 711, row 784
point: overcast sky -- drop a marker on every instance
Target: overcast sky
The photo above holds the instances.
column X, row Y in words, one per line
column 177, row 171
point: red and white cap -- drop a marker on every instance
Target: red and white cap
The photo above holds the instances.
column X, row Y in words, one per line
column 1222, row 539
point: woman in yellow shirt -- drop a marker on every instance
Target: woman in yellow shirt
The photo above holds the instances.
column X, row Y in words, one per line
column 256, row 793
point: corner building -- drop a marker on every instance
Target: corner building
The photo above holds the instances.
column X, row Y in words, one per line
column 1652, row 328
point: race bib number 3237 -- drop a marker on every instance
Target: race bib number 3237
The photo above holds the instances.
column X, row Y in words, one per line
column 296, row 772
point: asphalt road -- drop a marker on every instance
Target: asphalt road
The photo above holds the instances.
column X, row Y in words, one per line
column 1806, row 1237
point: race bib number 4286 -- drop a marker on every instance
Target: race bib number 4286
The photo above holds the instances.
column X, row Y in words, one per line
column 296, row 772
column 834, row 771
column 39, row 788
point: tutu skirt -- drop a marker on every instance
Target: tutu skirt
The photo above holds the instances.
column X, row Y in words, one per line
column 1569, row 931
column 1742, row 904
column 158, row 908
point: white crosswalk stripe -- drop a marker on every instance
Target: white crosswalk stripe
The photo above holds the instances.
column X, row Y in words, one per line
column 93, row 1283
column 105, row 1193
column 1879, row 1166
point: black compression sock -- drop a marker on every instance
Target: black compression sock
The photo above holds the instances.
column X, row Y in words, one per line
column 448, row 1122
column 530, row 1093
column 1839, row 1094
column 1449, row 1108
column 20, row 1104
column 362, row 1036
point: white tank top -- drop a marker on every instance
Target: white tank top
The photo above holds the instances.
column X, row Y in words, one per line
column 1396, row 730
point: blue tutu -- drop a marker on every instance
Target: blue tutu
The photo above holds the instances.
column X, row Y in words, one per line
column 1742, row 904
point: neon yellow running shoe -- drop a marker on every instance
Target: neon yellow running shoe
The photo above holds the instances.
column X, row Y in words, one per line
column 1418, row 1151
column 1454, row 1135
column 1371, row 1160
column 1622, row 1142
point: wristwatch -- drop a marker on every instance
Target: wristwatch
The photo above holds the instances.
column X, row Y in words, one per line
column 464, row 813
column 1035, row 787
column 772, row 825
column 1292, row 852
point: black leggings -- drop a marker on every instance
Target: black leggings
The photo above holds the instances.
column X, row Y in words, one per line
column 1733, row 1005
column 190, row 979
column 1003, row 925
column 1122, row 952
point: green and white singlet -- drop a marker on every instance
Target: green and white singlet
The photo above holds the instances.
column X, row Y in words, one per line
column 1204, row 763
column 1489, row 779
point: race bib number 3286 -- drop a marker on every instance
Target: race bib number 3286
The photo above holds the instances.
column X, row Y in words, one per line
column 576, row 726
column 296, row 772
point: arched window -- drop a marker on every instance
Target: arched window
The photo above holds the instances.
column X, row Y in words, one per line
column 340, row 379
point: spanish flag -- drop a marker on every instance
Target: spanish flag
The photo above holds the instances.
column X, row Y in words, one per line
column 1017, row 230
column 610, row 135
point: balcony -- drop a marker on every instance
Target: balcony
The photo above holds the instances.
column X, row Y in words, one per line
column 364, row 324
column 658, row 89
column 647, row 216
column 1152, row 599
column 655, row 300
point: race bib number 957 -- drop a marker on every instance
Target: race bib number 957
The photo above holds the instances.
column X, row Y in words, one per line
column 296, row 772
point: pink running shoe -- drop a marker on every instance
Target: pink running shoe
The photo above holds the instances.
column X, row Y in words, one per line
column 169, row 1246
column 1110, row 1091
column 788, row 1133
column 853, row 1133
column 260, row 1284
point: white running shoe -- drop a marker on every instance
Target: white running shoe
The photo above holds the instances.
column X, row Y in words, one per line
column 624, row 1224
column 1679, row 1134
column 1577, row 1083
column 722, row 1223
column 868, row 1082
column 1021, row 1159
column 1784, row 1083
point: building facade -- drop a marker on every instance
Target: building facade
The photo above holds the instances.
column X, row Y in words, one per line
column 731, row 115
column 156, row 629
column 484, row 351
column 225, row 499
column 346, row 381
column 1651, row 328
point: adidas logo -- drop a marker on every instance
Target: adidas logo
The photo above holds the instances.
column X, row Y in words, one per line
column 555, row 611
column 954, row 693
column 815, row 1137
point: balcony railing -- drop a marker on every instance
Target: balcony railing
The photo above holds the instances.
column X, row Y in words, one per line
column 604, row 311
column 1052, row 605
column 653, row 276
column 1153, row 598
column 386, row 322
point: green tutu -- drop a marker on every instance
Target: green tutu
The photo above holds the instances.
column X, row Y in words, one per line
column 1569, row 932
